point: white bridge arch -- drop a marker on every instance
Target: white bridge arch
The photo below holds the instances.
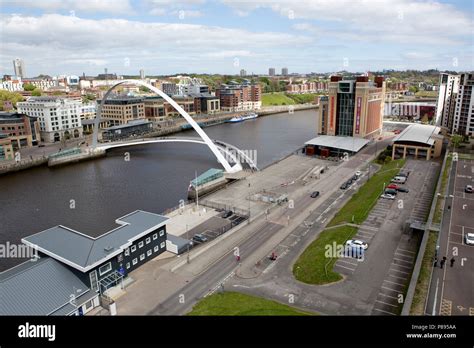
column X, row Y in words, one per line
column 220, row 158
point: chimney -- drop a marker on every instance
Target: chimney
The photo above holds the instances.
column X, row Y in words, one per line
column 335, row 78
column 362, row 78
column 378, row 80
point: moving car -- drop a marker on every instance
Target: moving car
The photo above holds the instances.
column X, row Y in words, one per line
column 199, row 238
column 469, row 238
column 387, row 196
column 468, row 189
column 357, row 243
column 315, row 194
column 402, row 189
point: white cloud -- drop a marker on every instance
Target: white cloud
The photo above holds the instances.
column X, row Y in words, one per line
column 78, row 6
column 394, row 20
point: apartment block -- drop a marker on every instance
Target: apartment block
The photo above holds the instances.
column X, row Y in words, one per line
column 463, row 123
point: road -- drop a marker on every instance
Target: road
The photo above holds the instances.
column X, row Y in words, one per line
column 451, row 288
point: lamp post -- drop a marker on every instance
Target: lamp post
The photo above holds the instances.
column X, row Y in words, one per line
column 187, row 237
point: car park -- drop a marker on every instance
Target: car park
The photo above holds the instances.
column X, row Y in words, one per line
column 357, row 243
column 468, row 189
column 199, row 238
column 315, row 194
column 387, row 196
column 469, row 239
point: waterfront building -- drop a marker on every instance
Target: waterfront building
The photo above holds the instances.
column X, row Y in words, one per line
column 121, row 110
column 20, row 129
column 418, row 141
column 19, row 67
column 355, row 107
column 323, row 115
column 73, row 263
column 169, row 88
column 132, row 128
column 206, row 103
column 239, row 97
column 284, row 71
column 463, row 123
column 445, row 108
column 271, row 71
column 59, row 118
column 6, row 148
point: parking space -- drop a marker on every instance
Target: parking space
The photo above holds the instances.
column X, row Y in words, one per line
column 422, row 206
column 457, row 291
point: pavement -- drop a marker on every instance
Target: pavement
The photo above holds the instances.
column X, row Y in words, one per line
column 452, row 288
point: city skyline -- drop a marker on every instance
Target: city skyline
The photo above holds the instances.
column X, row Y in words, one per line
column 197, row 36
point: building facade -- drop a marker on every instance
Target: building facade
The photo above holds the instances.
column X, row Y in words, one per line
column 463, row 123
column 19, row 67
column 59, row 118
column 355, row 107
column 22, row 130
column 235, row 97
column 121, row 110
column 445, row 107
column 284, row 71
column 271, row 71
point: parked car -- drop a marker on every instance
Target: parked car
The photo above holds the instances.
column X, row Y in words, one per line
column 399, row 179
column 393, row 186
column 315, row 194
column 391, row 191
column 199, row 238
column 227, row 213
column 387, row 196
column 41, row 145
column 344, row 186
column 402, row 189
column 357, row 243
column 358, row 173
column 468, row 189
column 404, row 174
column 469, row 238
column 355, row 177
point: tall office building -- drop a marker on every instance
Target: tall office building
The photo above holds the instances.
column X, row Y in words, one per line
column 271, row 71
column 243, row 73
column 354, row 107
column 463, row 123
column 142, row 74
column 448, row 90
column 19, row 67
column 284, row 71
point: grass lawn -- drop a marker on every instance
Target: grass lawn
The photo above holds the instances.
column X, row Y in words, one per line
column 363, row 200
column 444, row 181
column 421, row 290
column 237, row 304
column 269, row 99
column 313, row 264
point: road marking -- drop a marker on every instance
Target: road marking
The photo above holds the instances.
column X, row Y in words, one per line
column 386, row 303
column 380, row 293
column 350, row 269
column 446, row 307
column 455, row 243
column 390, row 275
column 400, row 260
column 380, row 310
column 397, row 253
column 388, row 281
column 397, row 291
column 353, row 264
column 401, row 266
column 408, row 251
column 396, row 270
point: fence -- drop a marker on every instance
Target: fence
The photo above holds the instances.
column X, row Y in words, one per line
column 224, row 207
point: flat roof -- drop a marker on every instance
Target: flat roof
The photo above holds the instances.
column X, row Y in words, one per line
column 41, row 287
column 84, row 252
column 339, row 142
column 419, row 133
column 129, row 124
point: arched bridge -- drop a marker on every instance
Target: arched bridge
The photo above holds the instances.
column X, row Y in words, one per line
column 205, row 139
column 228, row 151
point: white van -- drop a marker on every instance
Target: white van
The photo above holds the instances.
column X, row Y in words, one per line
column 399, row 179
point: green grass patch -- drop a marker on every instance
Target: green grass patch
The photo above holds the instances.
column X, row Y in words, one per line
column 422, row 285
column 444, row 181
column 237, row 304
column 269, row 99
column 303, row 98
column 365, row 198
column 313, row 267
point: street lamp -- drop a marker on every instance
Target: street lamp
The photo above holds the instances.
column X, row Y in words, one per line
column 188, row 242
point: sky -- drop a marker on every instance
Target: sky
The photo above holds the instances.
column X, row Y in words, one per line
column 164, row 37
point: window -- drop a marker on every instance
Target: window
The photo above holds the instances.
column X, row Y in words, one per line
column 162, row 232
column 134, row 261
column 148, row 253
column 162, row 245
column 155, row 236
column 142, row 257
column 105, row 268
column 148, row 240
column 127, row 252
column 133, row 248
column 127, row 266
column 155, row 249
column 140, row 245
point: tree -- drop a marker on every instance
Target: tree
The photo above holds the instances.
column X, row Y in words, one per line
column 456, row 140
column 414, row 89
column 28, row 87
column 36, row 92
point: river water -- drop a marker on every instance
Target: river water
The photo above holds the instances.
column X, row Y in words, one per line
column 89, row 196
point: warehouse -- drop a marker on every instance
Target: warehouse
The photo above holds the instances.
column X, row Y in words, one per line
column 334, row 146
column 418, row 141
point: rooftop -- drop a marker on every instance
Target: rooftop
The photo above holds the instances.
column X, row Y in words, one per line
column 40, row 287
column 338, row 142
column 129, row 124
column 419, row 133
column 83, row 252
